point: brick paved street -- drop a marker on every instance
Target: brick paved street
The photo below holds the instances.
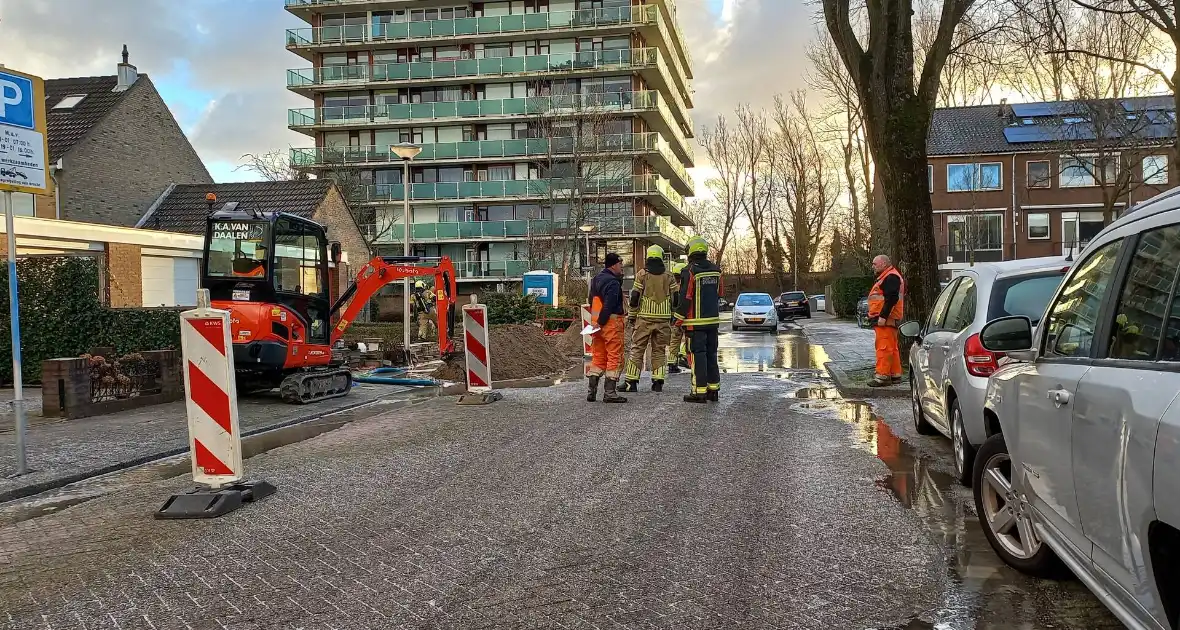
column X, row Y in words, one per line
column 545, row 511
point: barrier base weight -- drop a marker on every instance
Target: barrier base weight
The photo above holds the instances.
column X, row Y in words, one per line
column 485, row 398
column 209, row 503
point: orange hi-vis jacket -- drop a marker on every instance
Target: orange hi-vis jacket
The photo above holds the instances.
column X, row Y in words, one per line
column 877, row 299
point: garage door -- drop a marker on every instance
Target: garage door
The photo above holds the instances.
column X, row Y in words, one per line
column 170, row 281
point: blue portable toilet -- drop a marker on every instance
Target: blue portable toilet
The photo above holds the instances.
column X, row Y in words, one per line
column 543, row 285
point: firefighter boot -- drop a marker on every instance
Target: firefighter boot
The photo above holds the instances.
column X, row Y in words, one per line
column 696, row 398
column 673, row 368
column 592, row 394
column 711, row 395
column 657, row 385
column 610, row 394
column 629, row 386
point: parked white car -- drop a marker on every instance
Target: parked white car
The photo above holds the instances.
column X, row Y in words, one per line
column 754, row 310
column 1082, row 461
column 948, row 366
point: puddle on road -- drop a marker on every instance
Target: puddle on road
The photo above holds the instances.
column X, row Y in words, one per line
column 764, row 352
column 985, row 593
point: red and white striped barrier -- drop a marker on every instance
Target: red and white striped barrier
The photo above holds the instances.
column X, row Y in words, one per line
column 587, row 340
column 478, row 357
column 211, row 398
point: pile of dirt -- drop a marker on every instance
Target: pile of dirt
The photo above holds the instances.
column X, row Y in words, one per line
column 569, row 343
column 517, row 350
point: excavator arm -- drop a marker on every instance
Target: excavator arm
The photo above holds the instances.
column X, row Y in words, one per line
column 382, row 270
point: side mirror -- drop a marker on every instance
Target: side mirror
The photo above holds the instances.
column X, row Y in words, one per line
column 1007, row 334
column 336, row 252
column 911, row 329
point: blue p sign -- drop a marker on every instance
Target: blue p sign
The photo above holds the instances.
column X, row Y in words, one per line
column 16, row 101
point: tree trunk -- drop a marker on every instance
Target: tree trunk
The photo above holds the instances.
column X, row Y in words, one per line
column 900, row 156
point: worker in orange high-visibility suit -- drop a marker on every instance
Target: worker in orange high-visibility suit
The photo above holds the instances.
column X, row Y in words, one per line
column 886, row 308
column 606, row 312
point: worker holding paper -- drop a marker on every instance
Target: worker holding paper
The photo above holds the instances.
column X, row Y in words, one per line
column 606, row 313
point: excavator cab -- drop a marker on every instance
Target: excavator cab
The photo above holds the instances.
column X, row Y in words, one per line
column 270, row 271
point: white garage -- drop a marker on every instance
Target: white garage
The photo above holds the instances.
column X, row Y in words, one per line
column 170, row 280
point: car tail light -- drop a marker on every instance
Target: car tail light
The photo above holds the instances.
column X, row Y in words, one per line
column 980, row 360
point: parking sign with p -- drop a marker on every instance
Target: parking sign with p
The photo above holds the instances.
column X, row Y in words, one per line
column 23, row 149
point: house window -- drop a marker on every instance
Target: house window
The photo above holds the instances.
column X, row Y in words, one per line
column 1038, row 174
column 968, row 177
column 70, row 101
column 1155, row 169
column 1083, row 170
column 975, row 232
column 1038, row 226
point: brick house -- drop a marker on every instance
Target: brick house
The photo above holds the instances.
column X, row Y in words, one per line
column 113, row 146
column 183, row 208
column 1035, row 179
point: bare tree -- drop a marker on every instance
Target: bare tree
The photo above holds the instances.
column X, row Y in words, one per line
column 729, row 186
column 897, row 99
column 807, row 184
column 756, row 162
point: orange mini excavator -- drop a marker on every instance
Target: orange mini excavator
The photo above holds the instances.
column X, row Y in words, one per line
column 270, row 271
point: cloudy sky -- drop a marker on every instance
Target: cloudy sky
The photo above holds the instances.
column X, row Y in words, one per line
column 220, row 64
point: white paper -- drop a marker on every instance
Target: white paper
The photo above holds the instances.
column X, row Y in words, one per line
column 590, row 329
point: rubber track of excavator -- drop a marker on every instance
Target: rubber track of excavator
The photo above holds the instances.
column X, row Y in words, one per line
column 314, row 386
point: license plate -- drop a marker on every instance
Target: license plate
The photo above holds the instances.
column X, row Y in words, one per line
column 755, row 320
column 792, row 304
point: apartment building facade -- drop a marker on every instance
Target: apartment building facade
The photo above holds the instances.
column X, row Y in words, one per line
column 546, row 126
column 1042, row 179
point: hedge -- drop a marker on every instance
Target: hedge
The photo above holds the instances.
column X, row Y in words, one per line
column 846, row 292
column 61, row 316
column 510, row 308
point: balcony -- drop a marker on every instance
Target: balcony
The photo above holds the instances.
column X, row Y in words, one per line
column 311, row 119
column 658, row 229
column 310, row 41
column 629, row 144
column 645, row 60
column 595, row 190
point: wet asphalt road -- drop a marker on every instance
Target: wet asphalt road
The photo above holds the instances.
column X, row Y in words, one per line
column 782, row 507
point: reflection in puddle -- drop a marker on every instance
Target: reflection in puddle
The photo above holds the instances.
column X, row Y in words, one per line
column 986, row 593
column 741, row 353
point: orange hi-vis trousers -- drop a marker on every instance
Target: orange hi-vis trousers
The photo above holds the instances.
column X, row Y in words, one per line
column 888, row 352
column 606, row 349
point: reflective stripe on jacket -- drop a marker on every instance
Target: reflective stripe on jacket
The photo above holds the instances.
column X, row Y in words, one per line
column 877, row 299
column 651, row 295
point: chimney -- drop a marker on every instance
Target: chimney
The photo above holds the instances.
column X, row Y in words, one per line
column 1003, row 108
column 127, row 73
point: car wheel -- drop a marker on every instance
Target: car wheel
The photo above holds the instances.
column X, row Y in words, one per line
column 1006, row 515
column 920, row 424
column 964, row 452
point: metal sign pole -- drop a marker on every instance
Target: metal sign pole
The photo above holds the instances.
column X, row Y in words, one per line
column 18, row 396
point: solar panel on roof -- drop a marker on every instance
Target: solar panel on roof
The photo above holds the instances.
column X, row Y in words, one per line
column 1019, row 135
column 1023, row 110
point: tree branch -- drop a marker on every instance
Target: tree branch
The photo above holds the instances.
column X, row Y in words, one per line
column 1132, row 62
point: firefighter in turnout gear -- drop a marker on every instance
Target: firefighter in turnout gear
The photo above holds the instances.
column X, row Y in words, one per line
column 676, row 345
column 698, row 312
column 650, row 317
column 606, row 312
column 422, row 310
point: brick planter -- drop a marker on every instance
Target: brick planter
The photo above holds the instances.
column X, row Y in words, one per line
column 66, row 387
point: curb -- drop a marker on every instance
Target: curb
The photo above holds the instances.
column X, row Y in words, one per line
column 53, row 484
column 847, row 390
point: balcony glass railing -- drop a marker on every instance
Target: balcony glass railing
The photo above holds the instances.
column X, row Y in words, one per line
column 571, row 105
column 533, row 228
column 458, row 27
column 621, row 59
column 557, row 189
column 477, row 149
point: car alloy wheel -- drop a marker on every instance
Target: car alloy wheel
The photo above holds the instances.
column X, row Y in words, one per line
column 920, row 424
column 1006, row 513
column 957, row 440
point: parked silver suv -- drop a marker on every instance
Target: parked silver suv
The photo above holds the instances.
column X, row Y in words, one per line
column 1082, row 465
column 949, row 367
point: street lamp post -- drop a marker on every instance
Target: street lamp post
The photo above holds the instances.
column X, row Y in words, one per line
column 407, row 152
column 587, row 229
